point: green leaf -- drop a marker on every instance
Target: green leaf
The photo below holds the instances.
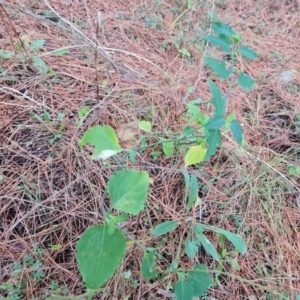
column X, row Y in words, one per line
column 202, row 119
column 236, row 38
column 223, row 29
column 60, row 116
column 196, row 115
column 183, row 290
column 217, row 101
column 194, row 187
column 196, row 101
column 292, row 170
column 168, row 147
column 83, row 112
column 208, row 246
column 191, row 247
column 110, row 226
column 40, row 65
column 186, row 181
column 56, row 137
column 215, row 122
column 234, row 263
column 198, row 228
column 199, row 279
column 104, row 139
column 184, row 52
column 60, row 52
column 132, row 155
column 231, row 117
column 164, row 228
column 221, row 41
column 128, row 190
column 148, row 266
column 145, row 125
column 99, row 255
column 213, row 139
column 189, row 4
column 47, row 117
column 245, row 81
column 235, row 239
column 236, row 130
column 194, row 155
column 6, row 54
column 120, row 218
column 193, row 109
column 197, row 283
column 37, row 45
column 186, row 178
column 247, row 52
column 218, row 67
column 188, row 130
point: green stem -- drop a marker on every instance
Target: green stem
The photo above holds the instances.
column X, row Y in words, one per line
column 163, row 142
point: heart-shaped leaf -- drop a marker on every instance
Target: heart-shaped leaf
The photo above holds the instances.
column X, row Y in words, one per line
column 99, row 254
column 145, row 125
column 148, row 266
column 183, row 290
column 168, row 147
column 128, row 190
column 194, row 155
column 199, row 279
column 245, row 81
column 191, row 247
column 104, row 139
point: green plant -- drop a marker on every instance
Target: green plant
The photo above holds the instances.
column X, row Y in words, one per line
column 54, row 286
column 17, row 289
column 29, row 49
column 294, row 170
column 56, row 123
column 101, row 248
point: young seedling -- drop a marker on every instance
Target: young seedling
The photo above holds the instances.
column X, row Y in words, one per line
column 102, row 248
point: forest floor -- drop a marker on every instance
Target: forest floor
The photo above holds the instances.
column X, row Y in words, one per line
column 149, row 65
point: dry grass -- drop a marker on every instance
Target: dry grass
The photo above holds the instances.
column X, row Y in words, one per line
column 50, row 193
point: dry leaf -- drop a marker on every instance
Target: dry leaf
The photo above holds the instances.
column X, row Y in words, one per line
column 129, row 145
column 288, row 76
column 128, row 131
column 165, row 293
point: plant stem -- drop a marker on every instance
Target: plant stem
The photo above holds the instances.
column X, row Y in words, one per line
column 163, row 142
